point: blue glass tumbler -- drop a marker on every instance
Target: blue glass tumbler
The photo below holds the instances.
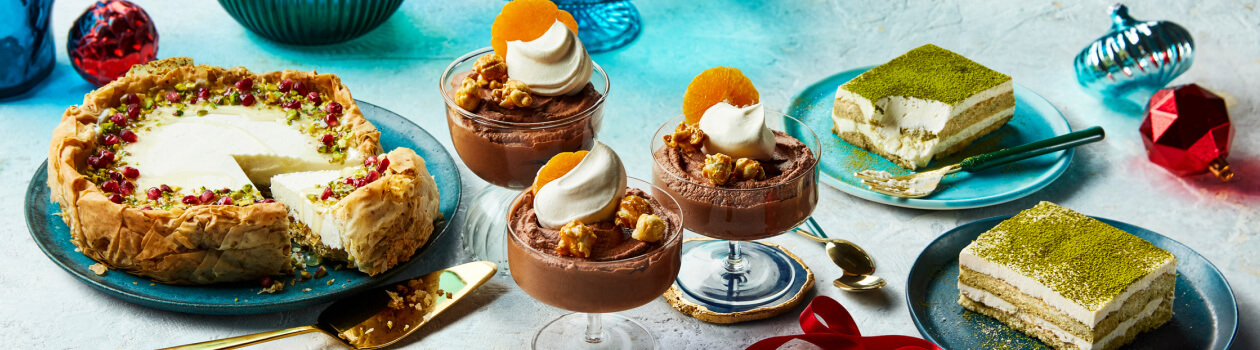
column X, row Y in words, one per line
column 604, row 25
column 26, row 45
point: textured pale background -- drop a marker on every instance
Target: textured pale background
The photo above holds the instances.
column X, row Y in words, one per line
column 783, row 46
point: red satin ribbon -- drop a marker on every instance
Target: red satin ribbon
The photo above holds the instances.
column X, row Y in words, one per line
column 840, row 332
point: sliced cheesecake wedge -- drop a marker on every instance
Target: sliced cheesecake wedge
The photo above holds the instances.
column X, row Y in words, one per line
column 372, row 216
column 926, row 104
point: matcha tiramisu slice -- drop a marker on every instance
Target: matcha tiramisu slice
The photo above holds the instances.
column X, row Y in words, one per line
column 926, row 104
column 1070, row 280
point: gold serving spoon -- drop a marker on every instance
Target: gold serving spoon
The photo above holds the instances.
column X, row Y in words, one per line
column 365, row 321
column 857, row 264
column 921, row 184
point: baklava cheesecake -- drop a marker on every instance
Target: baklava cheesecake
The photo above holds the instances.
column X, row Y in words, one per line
column 166, row 171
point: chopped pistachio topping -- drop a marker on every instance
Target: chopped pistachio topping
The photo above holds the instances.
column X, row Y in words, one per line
column 927, row 72
column 1081, row 258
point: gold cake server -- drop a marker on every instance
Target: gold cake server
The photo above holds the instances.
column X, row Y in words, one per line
column 366, row 320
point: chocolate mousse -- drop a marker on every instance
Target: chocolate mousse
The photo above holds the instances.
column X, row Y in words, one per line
column 501, row 151
column 621, row 272
column 746, row 209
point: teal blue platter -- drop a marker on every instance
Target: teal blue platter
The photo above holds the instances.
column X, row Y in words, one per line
column 1205, row 313
column 53, row 237
column 1035, row 119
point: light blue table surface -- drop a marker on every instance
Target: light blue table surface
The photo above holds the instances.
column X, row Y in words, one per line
column 783, row 46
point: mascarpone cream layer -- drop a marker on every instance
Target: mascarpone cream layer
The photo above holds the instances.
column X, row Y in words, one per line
column 994, row 301
column 225, row 148
column 912, row 113
column 912, row 149
column 1038, row 290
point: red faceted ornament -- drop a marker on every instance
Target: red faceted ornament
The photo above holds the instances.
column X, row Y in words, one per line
column 109, row 38
column 1187, row 131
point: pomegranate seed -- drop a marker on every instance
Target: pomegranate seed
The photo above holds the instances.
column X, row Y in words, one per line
column 166, row 188
column 95, row 162
column 291, row 104
column 333, row 108
column 203, row 94
column 300, row 88
column 110, row 186
column 207, row 196
column 130, row 99
column 327, row 193
column 117, row 176
column 372, row 175
column 154, row 193
column 370, row 161
column 128, row 136
column 116, row 198
column 327, row 139
column 247, row 99
column 286, row 85
column 146, row 208
column 111, row 140
column 383, row 165
column 246, row 84
column 133, row 111
column 348, row 181
column 265, row 281
column 172, row 97
column 225, row 201
column 191, row 200
column 131, row 173
column 314, row 97
column 127, row 188
column 106, row 156
column 331, row 120
column 267, row 200
column 225, row 190
column 118, row 119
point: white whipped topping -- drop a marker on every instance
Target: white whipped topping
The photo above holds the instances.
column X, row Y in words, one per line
column 737, row 132
column 554, row 64
column 589, row 193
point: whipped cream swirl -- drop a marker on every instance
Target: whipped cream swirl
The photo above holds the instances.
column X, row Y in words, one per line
column 554, row 64
column 589, row 193
column 739, row 132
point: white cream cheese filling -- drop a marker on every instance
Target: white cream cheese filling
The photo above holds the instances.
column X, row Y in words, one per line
column 292, row 190
column 903, row 112
column 1035, row 289
column 994, row 301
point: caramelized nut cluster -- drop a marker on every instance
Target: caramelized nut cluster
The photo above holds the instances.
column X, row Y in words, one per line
column 721, row 170
column 718, row 168
column 490, row 72
column 687, row 137
column 631, row 209
column 748, row 169
column 649, row 228
column 575, row 240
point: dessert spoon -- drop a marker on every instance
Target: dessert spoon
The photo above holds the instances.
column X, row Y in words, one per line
column 368, row 316
column 857, row 264
column 924, row 183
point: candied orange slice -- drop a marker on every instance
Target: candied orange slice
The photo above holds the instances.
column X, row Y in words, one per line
column 556, row 167
column 714, row 85
column 526, row 20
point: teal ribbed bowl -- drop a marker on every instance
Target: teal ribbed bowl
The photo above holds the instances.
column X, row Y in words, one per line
column 311, row 22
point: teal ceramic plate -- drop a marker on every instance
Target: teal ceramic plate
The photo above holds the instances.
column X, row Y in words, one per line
column 1035, row 119
column 53, row 237
column 1205, row 314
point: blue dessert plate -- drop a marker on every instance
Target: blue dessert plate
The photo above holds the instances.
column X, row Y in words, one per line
column 1205, row 314
column 53, row 237
column 1035, row 119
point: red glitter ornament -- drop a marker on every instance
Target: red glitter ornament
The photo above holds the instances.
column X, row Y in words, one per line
column 110, row 37
column 1187, row 131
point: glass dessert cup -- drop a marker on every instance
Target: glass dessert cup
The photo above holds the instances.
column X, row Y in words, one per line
column 508, row 154
column 593, row 289
column 733, row 271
